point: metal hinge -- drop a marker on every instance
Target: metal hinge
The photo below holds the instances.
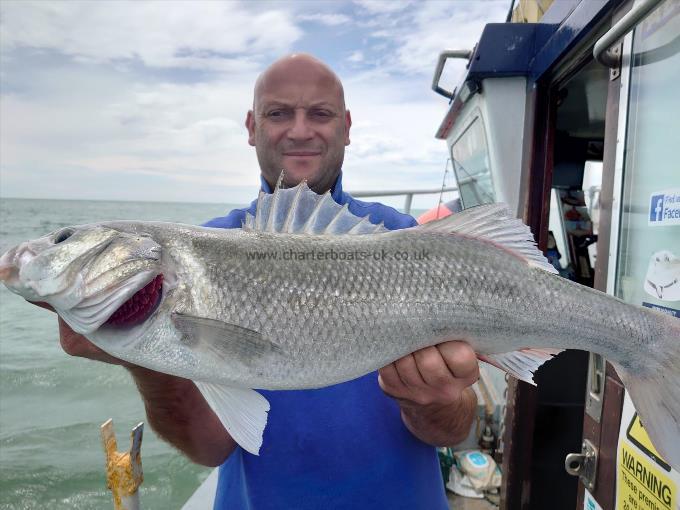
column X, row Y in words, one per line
column 583, row 465
column 615, row 52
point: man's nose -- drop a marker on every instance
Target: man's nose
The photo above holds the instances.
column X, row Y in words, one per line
column 300, row 129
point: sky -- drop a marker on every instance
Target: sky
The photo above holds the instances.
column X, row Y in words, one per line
column 119, row 100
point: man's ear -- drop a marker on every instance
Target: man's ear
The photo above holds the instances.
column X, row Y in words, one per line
column 250, row 126
column 348, row 124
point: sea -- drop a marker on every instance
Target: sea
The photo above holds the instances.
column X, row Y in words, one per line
column 52, row 405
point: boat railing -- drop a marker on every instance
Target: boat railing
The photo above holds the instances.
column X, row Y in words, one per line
column 612, row 57
column 408, row 193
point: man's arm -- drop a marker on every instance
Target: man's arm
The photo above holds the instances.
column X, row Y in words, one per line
column 175, row 408
column 432, row 386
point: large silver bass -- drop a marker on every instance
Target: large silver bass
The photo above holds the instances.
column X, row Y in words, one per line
column 307, row 295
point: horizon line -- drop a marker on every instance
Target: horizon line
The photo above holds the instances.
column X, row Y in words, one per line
column 3, row 197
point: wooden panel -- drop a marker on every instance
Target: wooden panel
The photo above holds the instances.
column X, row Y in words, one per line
column 609, row 437
column 518, row 445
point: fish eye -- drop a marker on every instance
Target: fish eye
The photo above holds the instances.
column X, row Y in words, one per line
column 63, row 235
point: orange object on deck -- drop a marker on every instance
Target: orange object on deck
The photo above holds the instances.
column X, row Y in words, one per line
column 440, row 211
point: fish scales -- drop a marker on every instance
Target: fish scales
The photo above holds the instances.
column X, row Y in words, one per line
column 340, row 319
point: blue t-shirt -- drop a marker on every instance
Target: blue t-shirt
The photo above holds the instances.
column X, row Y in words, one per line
column 340, row 447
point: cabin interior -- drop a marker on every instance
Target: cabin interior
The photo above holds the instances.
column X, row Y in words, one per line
column 577, row 154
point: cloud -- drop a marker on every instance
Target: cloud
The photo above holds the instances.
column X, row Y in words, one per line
column 159, row 34
column 417, row 32
column 325, row 19
column 356, row 56
column 383, row 6
column 435, row 29
column 189, row 133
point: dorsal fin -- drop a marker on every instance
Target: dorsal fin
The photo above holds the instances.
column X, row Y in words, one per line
column 366, row 227
column 495, row 223
column 299, row 210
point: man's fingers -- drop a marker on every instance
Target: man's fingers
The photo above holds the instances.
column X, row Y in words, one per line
column 432, row 367
column 432, row 375
column 408, row 372
column 460, row 359
column 73, row 343
column 389, row 381
column 76, row 344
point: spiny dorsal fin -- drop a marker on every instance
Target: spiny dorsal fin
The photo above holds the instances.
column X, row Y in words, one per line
column 495, row 223
column 299, row 210
column 363, row 227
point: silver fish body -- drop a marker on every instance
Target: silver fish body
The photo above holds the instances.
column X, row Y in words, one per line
column 331, row 320
column 307, row 295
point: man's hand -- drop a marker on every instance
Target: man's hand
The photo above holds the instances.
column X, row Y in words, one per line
column 76, row 344
column 432, row 386
column 175, row 408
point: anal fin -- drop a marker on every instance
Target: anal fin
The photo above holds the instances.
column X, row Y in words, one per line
column 242, row 411
column 521, row 364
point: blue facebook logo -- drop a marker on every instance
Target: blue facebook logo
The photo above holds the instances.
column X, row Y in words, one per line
column 656, row 208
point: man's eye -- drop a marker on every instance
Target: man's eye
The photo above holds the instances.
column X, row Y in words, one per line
column 322, row 114
column 277, row 114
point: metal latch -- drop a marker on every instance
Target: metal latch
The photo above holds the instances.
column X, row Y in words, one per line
column 584, row 464
column 595, row 386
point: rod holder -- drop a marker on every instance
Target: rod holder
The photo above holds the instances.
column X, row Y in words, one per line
column 123, row 469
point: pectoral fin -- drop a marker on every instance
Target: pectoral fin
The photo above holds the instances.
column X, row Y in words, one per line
column 225, row 340
column 243, row 412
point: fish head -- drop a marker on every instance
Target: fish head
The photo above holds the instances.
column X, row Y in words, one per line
column 86, row 273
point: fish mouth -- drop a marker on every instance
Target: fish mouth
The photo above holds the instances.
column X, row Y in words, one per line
column 140, row 306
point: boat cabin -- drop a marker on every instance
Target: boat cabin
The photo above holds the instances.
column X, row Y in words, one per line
column 570, row 113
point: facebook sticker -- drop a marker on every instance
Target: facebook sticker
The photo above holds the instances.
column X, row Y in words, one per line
column 656, row 208
column 664, row 208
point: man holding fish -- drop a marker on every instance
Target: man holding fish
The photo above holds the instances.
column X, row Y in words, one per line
column 206, row 305
column 340, row 446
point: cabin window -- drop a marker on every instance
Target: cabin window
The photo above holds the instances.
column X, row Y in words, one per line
column 470, row 156
column 649, row 253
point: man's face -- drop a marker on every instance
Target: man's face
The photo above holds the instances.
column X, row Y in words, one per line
column 299, row 125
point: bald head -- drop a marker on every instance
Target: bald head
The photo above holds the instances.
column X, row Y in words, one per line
column 299, row 123
column 301, row 67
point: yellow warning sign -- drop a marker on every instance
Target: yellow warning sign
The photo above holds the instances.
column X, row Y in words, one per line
column 642, row 484
column 639, row 437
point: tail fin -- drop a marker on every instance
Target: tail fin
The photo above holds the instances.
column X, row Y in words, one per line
column 656, row 394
